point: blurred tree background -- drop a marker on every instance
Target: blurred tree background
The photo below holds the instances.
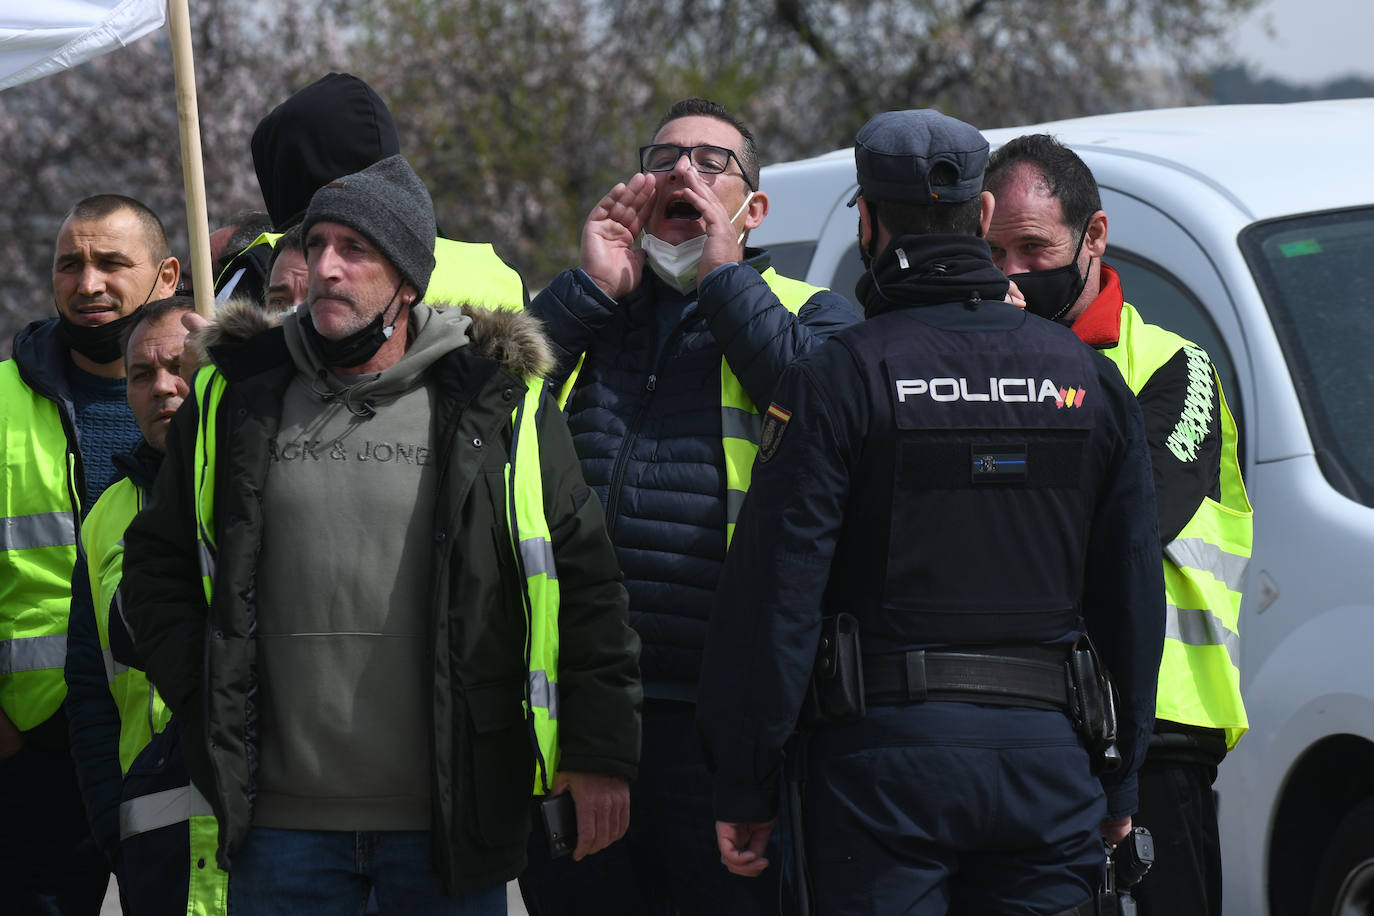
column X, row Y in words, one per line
column 520, row 114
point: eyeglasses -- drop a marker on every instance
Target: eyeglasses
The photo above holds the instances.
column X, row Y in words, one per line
column 708, row 160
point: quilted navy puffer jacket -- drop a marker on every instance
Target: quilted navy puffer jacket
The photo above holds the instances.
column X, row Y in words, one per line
column 646, row 426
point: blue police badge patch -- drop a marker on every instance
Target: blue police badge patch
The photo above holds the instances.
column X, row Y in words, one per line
column 999, row 464
column 774, row 425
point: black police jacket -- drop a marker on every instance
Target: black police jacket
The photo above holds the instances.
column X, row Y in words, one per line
column 953, row 471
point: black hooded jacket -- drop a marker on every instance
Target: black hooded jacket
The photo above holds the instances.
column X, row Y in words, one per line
column 335, row 126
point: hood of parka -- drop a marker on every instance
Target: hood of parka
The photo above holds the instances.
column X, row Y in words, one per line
column 234, row 322
column 515, row 339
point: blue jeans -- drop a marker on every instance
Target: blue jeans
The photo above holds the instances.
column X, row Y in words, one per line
column 331, row 873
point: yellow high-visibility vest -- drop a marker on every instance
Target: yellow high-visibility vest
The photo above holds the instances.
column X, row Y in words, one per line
column 533, row 546
column 740, row 422
column 142, row 713
column 40, row 513
column 1199, row 676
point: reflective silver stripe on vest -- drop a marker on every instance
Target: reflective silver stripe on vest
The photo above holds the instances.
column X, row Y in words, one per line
column 542, row 693
column 113, row 669
column 740, row 424
column 152, row 696
column 1196, row 553
column 207, row 558
column 161, row 809
column 537, row 555
column 47, row 529
column 33, row 653
column 118, row 605
column 1201, row 628
column 734, row 499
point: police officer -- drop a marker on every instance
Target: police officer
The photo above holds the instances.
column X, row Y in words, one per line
column 971, row 485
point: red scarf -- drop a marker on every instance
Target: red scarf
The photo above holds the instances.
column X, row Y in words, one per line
column 1100, row 324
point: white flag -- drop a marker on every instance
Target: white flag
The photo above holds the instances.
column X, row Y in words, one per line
column 43, row 38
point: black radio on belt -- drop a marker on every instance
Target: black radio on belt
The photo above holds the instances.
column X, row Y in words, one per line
column 836, row 692
column 1092, row 706
column 1131, row 858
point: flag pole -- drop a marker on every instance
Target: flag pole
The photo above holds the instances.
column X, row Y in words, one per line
column 192, row 167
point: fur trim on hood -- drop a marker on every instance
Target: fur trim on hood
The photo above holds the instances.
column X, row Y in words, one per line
column 511, row 337
column 235, row 321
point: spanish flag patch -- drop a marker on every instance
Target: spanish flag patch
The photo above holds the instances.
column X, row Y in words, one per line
column 774, row 425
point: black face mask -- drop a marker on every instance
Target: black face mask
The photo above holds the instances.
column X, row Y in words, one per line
column 101, row 344
column 868, row 252
column 358, row 347
column 1050, row 293
column 865, row 256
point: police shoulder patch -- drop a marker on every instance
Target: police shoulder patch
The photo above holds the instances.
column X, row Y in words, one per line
column 774, row 425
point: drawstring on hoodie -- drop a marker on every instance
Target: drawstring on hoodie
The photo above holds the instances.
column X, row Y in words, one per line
column 321, row 387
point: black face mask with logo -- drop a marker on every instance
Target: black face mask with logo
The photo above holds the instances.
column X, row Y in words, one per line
column 1051, row 293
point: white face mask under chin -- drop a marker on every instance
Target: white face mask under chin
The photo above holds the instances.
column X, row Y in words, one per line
column 676, row 265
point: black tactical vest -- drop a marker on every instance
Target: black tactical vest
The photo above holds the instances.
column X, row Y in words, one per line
column 969, row 511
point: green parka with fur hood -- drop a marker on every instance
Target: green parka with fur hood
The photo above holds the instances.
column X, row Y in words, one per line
column 203, row 659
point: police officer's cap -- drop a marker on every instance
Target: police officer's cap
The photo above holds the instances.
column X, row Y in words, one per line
column 919, row 157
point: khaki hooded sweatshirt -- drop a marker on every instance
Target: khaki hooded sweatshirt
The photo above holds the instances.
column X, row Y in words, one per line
column 344, row 578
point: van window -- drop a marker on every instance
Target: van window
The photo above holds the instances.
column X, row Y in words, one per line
column 792, row 259
column 1316, row 275
column 847, row 273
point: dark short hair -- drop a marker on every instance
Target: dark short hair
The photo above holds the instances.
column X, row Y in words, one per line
column 289, row 239
column 152, row 312
column 748, row 154
column 100, row 206
column 249, row 225
column 1066, row 177
column 900, row 218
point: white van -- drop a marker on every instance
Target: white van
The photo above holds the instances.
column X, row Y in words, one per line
column 1250, row 230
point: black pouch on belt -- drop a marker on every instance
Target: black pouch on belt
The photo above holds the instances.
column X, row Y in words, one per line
column 836, row 692
column 1092, row 706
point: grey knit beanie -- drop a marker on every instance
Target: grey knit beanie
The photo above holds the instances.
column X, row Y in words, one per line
column 389, row 204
